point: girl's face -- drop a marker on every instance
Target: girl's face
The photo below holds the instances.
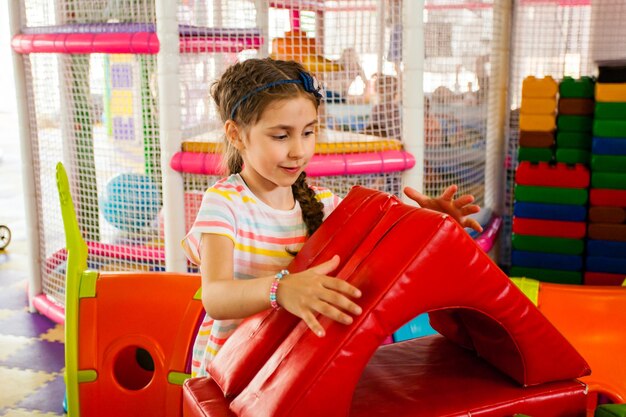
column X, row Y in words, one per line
column 279, row 146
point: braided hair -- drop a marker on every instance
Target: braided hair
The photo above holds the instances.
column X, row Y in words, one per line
column 233, row 100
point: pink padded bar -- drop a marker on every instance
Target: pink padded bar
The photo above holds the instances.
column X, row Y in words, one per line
column 319, row 166
column 86, row 43
column 47, row 308
column 488, row 237
column 125, row 43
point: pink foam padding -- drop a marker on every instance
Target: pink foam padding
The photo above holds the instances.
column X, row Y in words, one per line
column 413, row 261
column 196, row 163
column 319, row 166
column 125, row 43
column 552, row 175
column 87, row 43
column 239, row 360
column 47, row 308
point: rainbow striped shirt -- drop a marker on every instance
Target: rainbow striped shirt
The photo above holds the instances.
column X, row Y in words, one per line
column 261, row 235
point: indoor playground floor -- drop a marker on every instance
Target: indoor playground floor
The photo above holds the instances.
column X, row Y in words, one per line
column 31, row 346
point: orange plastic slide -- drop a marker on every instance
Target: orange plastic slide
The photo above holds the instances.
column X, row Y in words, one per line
column 593, row 319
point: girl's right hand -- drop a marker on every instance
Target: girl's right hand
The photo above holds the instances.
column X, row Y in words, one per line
column 312, row 291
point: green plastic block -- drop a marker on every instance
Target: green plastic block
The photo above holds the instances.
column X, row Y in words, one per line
column 573, row 156
column 608, row 163
column 611, row 410
column 554, row 195
column 612, row 180
column 583, row 87
column 567, row 123
column 177, row 378
column 548, row 275
column 573, row 140
column 609, row 128
column 610, row 111
column 535, row 154
column 548, row 244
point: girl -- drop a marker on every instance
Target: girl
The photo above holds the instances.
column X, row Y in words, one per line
column 251, row 223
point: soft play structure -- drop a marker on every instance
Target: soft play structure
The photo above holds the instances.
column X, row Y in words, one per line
column 128, row 335
column 496, row 353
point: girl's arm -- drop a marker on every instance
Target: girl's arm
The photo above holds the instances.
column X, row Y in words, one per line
column 304, row 294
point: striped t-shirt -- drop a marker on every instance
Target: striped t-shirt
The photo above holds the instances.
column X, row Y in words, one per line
column 261, row 235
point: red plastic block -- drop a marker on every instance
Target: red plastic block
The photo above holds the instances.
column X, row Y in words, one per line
column 552, row 175
column 549, row 228
column 606, row 197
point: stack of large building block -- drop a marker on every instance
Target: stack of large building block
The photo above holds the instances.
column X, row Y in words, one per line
column 549, row 221
column 575, row 120
column 537, row 119
column 606, row 245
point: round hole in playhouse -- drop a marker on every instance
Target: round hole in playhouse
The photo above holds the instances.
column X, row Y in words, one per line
column 133, row 368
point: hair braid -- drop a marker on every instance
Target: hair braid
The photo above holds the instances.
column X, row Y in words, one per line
column 312, row 209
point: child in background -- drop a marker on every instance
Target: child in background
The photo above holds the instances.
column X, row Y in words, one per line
column 252, row 222
column 432, row 127
column 385, row 119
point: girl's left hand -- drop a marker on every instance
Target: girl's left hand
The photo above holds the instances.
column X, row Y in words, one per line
column 459, row 209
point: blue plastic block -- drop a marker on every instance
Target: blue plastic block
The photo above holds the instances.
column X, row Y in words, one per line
column 546, row 260
column 563, row 212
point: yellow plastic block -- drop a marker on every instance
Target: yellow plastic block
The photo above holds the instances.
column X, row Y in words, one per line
column 545, row 87
column 538, row 106
column 537, row 123
column 611, row 93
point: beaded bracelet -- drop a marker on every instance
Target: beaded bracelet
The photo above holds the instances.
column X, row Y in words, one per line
column 274, row 287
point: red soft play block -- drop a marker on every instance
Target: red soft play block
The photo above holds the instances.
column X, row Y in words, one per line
column 549, row 228
column 552, row 175
column 607, row 197
column 404, row 268
column 421, row 377
column 340, row 235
